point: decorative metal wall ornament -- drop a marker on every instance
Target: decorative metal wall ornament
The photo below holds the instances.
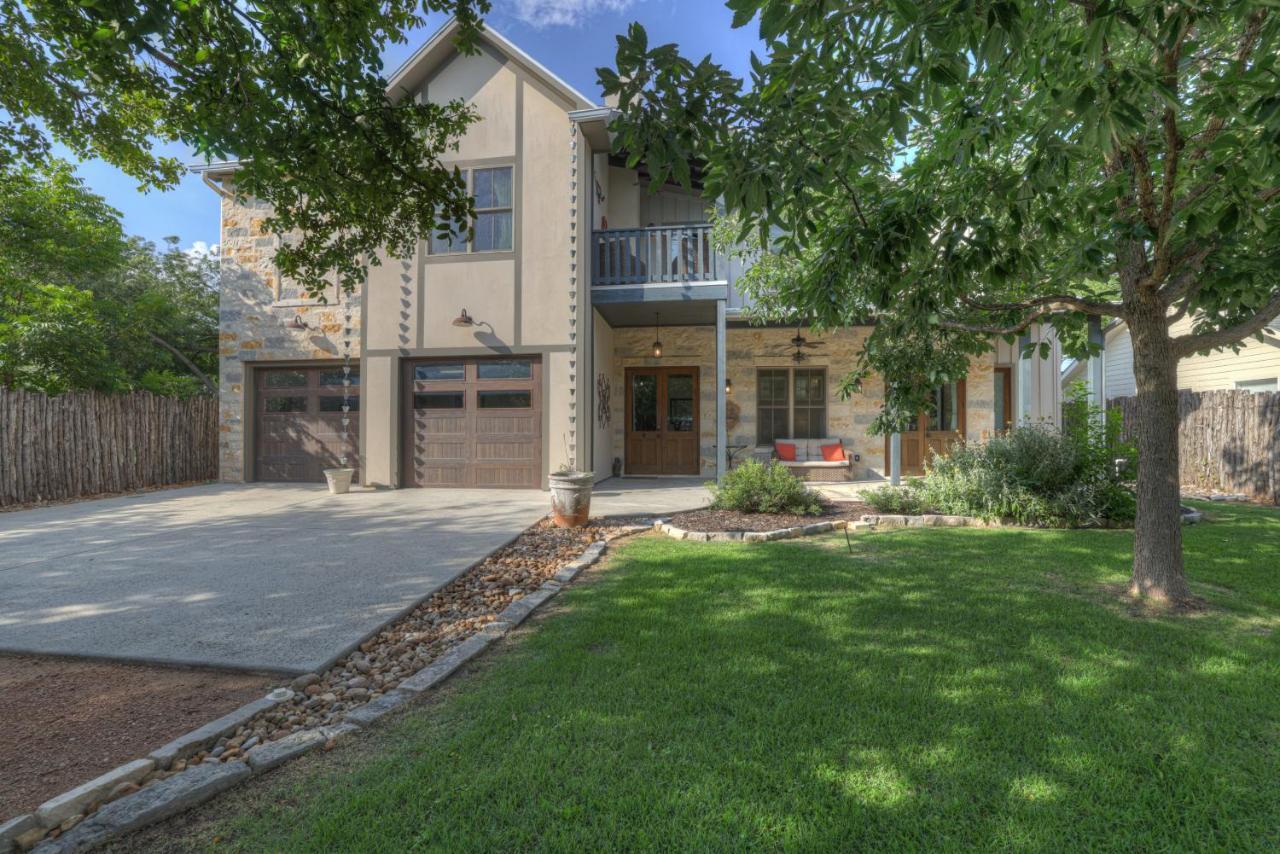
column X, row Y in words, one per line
column 603, row 413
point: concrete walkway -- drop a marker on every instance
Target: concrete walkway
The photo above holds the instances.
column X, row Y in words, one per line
column 270, row 577
column 265, row 577
column 621, row 496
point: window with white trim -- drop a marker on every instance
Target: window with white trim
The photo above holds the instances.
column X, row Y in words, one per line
column 1259, row 386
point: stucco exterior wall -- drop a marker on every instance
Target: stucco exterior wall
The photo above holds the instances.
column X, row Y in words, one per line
column 523, row 300
column 748, row 350
column 255, row 312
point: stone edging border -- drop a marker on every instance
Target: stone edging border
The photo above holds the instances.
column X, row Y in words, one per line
column 197, row 784
column 869, row 521
column 665, row 527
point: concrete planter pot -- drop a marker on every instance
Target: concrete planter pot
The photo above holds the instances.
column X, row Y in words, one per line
column 339, row 480
column 571, row 498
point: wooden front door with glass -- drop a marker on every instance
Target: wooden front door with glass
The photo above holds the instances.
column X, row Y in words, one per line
column 662, row 421
column 935, row 431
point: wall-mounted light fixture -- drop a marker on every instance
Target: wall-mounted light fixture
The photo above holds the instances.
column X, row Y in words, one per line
column 657, row 341
column 464, row 320
column 728, row 386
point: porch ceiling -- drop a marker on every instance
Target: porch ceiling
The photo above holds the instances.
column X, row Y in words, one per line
column 674, row 313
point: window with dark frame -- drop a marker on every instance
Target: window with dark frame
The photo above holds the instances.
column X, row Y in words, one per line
column 493, row 192
column 809, row 410
column 791, row 403
column 772, row 400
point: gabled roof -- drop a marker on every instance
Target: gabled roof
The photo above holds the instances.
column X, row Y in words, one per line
column 440, row 47
column 430, row 56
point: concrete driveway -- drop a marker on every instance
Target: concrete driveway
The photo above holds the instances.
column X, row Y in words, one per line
column 267, row 577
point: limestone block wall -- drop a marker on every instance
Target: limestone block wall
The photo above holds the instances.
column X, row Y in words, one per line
column 746, row 351
column 255, row 312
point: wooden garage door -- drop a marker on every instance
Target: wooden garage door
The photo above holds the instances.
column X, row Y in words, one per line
column 474, row 422
column 298, row 423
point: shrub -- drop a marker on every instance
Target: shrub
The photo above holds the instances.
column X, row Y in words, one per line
column 754, row 487
column 895, row 499
column 1033, row 475
column 1036, row 476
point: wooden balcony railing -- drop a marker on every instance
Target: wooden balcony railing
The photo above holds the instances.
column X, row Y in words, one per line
column 665, row 253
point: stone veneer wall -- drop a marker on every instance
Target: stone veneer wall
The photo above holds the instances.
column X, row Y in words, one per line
column 746, row 350
column 255, row 309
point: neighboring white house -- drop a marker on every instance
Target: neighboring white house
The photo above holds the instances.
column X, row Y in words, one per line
column 1255, row 368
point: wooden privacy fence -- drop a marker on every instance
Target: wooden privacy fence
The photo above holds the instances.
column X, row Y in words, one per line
column 1228, row 440
column 87, row 443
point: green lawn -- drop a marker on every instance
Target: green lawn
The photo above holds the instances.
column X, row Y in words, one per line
column 937, row 689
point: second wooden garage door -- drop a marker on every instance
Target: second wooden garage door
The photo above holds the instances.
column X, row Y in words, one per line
column 474, row 422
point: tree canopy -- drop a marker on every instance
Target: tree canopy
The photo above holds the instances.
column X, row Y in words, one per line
column 294, row 91
column 82, row 306
column 960, row 170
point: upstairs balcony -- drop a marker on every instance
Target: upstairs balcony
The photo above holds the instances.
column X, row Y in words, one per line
column 657, row 263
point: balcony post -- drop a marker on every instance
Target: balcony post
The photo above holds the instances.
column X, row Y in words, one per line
column 722, row 437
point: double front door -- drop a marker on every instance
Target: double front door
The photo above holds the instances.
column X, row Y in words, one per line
column 935, row 431
column 662, row 421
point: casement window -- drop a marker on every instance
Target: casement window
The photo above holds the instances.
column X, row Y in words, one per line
column 791, row 403
column 491, row 188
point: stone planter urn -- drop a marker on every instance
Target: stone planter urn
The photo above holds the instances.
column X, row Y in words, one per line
column 339, row 480
column 571, row 498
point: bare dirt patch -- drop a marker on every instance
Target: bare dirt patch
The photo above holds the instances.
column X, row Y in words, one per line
column 66, row 721
column 733, row 520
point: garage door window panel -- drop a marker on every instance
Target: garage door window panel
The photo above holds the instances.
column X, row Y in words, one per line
column 333, row 403
column 280, row 403
column 336, row 379
column 521, row 369
column 439, row 400
column 286, row 379
column 442, row 372
column 505, row 400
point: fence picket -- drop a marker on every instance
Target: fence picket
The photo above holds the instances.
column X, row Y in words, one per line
column 1228, row 440
column 87, row 443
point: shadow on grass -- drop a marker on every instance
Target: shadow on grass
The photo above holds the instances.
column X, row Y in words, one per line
column 934, row 689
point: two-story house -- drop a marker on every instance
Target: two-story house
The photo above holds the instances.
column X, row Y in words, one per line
column 587, row 323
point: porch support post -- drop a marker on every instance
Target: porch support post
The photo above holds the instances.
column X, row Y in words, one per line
column 1022, row 392
column 722, row 436
column 1097, row 365
column 895, row 459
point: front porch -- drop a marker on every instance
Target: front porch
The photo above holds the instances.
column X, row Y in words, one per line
column 734, row 387
column 719, row 383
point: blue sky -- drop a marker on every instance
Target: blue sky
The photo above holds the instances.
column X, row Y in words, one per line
column 571, row 37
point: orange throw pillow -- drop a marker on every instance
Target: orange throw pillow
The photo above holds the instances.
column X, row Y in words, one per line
column 786, row 451
column 833, row 453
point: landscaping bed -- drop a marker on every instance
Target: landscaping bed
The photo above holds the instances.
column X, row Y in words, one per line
column 712, row 520
column 68, row 720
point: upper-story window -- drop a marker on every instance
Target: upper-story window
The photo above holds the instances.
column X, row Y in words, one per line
column 492, row 190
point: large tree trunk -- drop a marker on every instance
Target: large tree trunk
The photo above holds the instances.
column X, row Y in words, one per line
column 1157, row 541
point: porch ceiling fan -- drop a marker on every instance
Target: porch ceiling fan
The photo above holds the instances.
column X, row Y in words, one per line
column 798, row 346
